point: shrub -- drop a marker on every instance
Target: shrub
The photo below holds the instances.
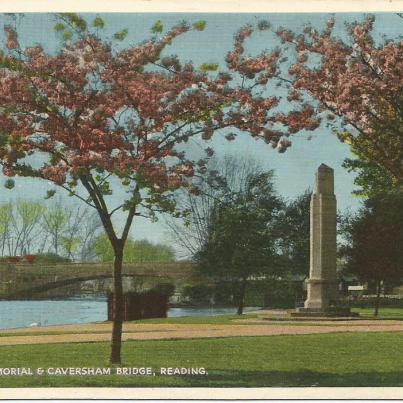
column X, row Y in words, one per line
column 167, row 289
column 51, row 258
column 198, row 295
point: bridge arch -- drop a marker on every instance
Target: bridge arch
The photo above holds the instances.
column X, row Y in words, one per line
column 27, row 280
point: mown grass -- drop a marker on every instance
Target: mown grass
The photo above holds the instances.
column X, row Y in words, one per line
column 338, row 359
column 199, row 320
column 384, row 313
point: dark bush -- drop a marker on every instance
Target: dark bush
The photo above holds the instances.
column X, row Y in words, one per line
column 199, row 295
column 51, row 258
column 167, row 289
column 282, row 294
column 224, row 294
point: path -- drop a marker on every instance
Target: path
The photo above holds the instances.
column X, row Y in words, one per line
column 101, row 331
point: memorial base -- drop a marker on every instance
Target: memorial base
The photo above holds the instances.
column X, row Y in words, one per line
column 332, row 312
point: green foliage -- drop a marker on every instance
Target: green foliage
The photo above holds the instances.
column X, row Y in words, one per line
column 205, row 67
column 105, row 188
column 241, row 240
column 157, row 27
column 70, row 244
column 6, row 210
column 263, row 25
column 134, row 251
column 98, row 22
column 75, row 20
column 199, row 25
column 224, row 292
column 293, row 228
column 167, row 289
column 103, row 249
column 55, row 218
column 50, row 193
column 50, row 258
column 30, row 211
column 9, row 184
column 59, row 27
column 373, row 239
column 198, row 295
column 121, row 35
column 282, row 294
column 372, row 179
column 67, row 35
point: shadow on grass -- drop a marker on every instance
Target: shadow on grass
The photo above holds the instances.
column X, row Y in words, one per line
column 294, row 379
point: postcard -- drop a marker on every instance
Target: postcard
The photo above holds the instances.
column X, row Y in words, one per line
column 201, row 200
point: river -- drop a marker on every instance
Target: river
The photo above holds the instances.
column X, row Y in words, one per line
column 16, row 314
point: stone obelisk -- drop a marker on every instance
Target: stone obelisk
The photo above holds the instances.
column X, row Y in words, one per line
column 322, row 283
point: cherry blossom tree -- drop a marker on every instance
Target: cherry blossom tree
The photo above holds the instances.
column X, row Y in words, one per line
column 357, row 83
column 93, row 118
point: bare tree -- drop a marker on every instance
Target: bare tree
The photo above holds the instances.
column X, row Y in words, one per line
column 32, row 227
column 83, row 228
column 221, row 180
column 71, row 231
column 25, row 220
column 5, row 224
column 54, row 224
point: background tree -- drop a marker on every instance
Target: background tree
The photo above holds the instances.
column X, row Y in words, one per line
column 222, row 179
column 103, row 117
column 293, row 226
column 134, row 251
column 54, row 224
column 71, row 231
column 90, row 228
column 36, row 227
column 241, row 242
column 372, row 180
column 5, row 222
column 373, row 242
column 20, row 226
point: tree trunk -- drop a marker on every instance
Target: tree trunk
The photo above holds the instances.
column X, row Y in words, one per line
column 117, row 306
column 378, row 297
column 242, row 296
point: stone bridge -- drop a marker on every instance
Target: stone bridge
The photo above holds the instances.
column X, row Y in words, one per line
column 25, row 280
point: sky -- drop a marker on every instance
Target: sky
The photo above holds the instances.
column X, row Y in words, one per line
column 294, row 169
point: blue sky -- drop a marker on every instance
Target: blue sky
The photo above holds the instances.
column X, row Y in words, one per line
column 294, row 169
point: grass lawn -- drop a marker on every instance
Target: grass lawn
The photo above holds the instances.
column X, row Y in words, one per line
column 384, row 313
column 210, row 320
column 365, row 313
column 338, row 359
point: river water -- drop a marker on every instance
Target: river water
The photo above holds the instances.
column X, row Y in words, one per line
column 15, row 314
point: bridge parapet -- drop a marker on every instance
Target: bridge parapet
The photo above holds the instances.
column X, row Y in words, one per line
column 21, row 279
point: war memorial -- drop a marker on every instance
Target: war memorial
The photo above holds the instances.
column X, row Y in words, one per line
column 322, row 291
